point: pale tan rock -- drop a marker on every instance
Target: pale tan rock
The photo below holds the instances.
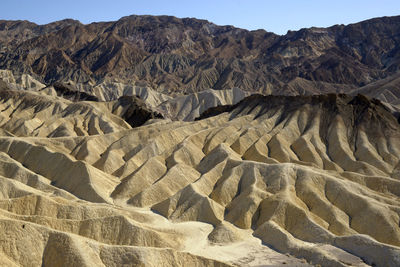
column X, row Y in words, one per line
column 80, row 187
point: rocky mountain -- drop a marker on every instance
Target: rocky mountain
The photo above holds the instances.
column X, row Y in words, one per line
column 186, row 55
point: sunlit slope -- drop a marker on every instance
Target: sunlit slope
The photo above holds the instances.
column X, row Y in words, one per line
column 314, row 177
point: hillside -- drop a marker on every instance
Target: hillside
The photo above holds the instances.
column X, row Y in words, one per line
column 187, row 55
column 302, row 175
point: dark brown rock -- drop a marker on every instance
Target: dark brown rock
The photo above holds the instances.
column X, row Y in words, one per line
column 187, row 55
column 134, row 111
column 69, row 92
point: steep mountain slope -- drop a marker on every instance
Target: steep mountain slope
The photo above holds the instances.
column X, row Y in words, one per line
column 186, row 55
column 387, row 90
column 302, row 175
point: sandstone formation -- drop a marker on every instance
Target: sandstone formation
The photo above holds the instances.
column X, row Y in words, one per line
column 315, row 177
column 179, row 107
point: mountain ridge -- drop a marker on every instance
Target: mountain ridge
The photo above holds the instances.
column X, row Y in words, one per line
column 186, row 55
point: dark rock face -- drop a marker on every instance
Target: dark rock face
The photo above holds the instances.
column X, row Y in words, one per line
column 215, row 111
column 134, row 111
column 69, row 92
column 3, row 85
column 191, row 55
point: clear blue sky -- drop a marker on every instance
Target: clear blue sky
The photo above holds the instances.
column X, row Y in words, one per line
column 277, row 16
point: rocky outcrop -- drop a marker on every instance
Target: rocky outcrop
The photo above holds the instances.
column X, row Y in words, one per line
column 134, row 111
column 69, row 92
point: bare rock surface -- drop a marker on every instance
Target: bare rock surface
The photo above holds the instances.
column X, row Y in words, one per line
column 269, row 181
column 175, row 55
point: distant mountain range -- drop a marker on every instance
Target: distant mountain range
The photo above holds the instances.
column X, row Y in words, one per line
column 175, row 55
